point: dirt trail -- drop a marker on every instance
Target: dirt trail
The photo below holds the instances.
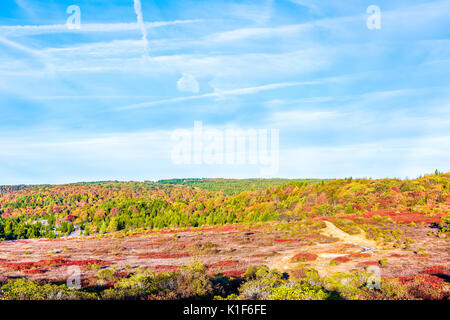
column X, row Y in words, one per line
column 325, row 252
column 282, row 263
column 359, row 239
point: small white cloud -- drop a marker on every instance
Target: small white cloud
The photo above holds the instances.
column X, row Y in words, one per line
column 187, row 82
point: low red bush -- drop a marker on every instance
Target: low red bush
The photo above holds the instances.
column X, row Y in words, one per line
column 86, row 262
column 161, row 255
column 396, row 255
column 234, row 273
column 34, row 271
column 436, row 269
column 426, row 278
column 304, row 256
column 223, row 263
column 55, row 262
column 371, row 263
column 341, row 259
column 289, row 240
column 164, row 267
column 360, row 255
column 311, row 236
column 122, row 274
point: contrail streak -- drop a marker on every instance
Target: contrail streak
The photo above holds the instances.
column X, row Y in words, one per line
column 44, row 58
column 140, row 22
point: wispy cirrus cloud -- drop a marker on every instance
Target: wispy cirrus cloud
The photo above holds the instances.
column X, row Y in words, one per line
column 424, row 17
column 313, row 7
column 259, row 12
column 43, row 57
column 21, row 30
column 220, row 94
column 334, row 88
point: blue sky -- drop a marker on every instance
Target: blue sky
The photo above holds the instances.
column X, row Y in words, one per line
column 90, row 104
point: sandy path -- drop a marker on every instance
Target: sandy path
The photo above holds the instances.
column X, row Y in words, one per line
column 321, row 264
column 283, row 263
column 359, row 239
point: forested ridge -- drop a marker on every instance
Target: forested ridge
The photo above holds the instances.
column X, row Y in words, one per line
column 101, row 207
column 236, row 186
